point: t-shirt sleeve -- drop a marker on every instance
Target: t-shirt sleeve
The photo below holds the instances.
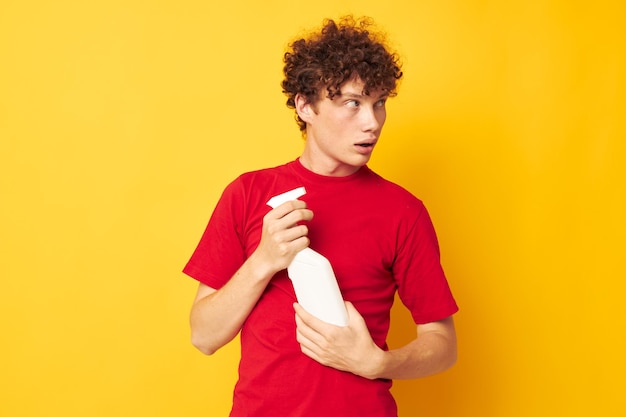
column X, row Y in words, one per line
column 220, row 252
column 422, row 284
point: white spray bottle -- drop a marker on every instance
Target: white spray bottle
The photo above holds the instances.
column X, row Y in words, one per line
column 313, row 278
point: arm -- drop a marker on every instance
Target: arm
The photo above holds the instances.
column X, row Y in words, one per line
column 352, row 349
column 433, row 351
column 217, row 315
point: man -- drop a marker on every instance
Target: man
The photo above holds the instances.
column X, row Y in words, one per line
column 377, row 236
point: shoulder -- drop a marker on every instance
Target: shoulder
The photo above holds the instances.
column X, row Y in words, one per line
column 257, row 186
column 256, row 179
column 393, row 193
column 262, row 175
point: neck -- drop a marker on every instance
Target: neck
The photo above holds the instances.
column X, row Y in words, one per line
column 326, row 168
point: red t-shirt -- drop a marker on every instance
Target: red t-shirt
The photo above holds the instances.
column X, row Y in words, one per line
column 378, row 237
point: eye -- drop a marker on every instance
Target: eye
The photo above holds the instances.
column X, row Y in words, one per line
column 353, row 103
column 381, row 102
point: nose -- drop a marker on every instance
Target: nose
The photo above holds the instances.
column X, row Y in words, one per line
column 373, row 118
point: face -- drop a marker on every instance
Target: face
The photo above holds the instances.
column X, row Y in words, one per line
column 341, row 133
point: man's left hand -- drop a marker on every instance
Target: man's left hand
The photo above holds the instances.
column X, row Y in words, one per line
column 348, row 348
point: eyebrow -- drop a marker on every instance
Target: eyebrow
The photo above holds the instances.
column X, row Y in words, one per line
column 356, row 95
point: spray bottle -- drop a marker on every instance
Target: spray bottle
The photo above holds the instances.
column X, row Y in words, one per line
column 313, row 278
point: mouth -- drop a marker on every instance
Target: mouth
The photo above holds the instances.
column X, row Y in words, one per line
column 365, row 148
column 366, row 144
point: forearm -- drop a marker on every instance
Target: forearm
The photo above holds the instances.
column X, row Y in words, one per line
column 433, row 351
column 217, row 315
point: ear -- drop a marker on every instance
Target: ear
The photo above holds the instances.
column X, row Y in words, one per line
column 304, row 108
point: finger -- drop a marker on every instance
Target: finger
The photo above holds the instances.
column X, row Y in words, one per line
column 289, row 234
column 287, row 229
column 286, row 208
column 291, row 241
column 306, row 344
column 302, row 315
column 351, row 309
column 315, row 351
column 353, row 313
column 311, row 354
column 300, row 243
column 288, row 221
column 303, row 327
column 305, row 337
column 296, row 216
column 317, row 330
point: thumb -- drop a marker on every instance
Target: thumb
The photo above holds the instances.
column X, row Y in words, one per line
column 353, row 313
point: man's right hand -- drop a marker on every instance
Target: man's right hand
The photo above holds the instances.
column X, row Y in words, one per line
column 283, row 234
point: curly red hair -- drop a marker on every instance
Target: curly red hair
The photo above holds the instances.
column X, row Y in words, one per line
column 336, row 54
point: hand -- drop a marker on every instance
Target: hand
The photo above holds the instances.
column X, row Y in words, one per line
column 349, row 348
column 283, row 236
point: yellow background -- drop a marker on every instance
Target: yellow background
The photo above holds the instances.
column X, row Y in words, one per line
column 122, row 121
